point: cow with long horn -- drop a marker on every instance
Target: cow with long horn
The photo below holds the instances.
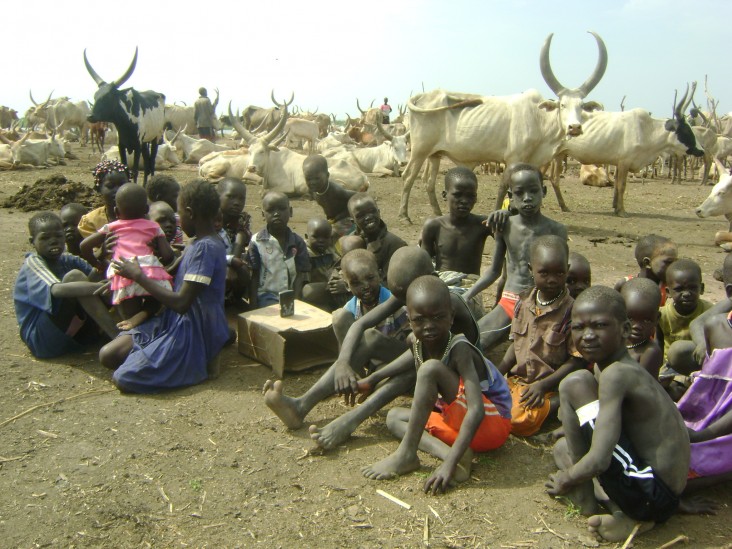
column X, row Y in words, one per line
column 138, row 116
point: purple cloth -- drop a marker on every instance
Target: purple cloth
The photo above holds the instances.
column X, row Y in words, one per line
column 708, row 399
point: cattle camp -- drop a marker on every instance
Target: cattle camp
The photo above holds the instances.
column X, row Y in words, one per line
column 368, row 274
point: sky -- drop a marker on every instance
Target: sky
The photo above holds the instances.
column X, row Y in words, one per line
column 330, row 52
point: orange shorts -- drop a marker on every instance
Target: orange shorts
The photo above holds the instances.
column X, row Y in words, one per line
column 491, row 434
column 526, row 421
column 508, row 303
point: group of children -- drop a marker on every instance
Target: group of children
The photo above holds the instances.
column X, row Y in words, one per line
column 410, row 319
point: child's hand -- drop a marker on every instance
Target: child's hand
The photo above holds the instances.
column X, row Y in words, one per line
column 173, row 267
column 346, row 382
column 497, row 220
column 558, row 484
column 103, row 288
column 365, row 388
column 532, row 395
column 336, row 284
column 128, row 268
column 107, row 249
column 440, row 480
column 700, row 353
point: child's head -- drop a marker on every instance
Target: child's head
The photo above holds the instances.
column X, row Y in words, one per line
column 654, row 254
column 315, row 170
column 461, row 191
column 642, row 299
column 579, row 275
column 165, row 188
column 233, row 195
column 319, row 234
column 109, row 176
column 365, row 213
column 684, row 285
column 526, row 188
column 47, row 235
column 405, row 265
column 131, row 202
column 198, row 202
column 276, row 210
column 70, row 215
column 548, row 259
column 600, row 325
column 429, row 308
column 351, row 242
column 361, row 273
column 162, row 214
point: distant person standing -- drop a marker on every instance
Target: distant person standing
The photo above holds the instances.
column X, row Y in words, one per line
column 385, row 111
column 204, row 115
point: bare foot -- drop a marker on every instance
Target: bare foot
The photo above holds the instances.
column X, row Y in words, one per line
column 464, row 466
column 134, row 321
column 549, row 438
column 615, row 527
column 333, row 434
column 391, row 467
column 698, row 505
column 285, row 407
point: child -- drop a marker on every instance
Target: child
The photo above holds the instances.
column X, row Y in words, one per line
column 53, row 292
column 654, row 254
column 278, row 257
column 473, row 398
column 322, row 262
column 408, row 264
column 165, row 188
column 620, row 428
column 109, row 176
column 373, row 230
column 526, row 192
column 456, row 241
column 542, row 352
column 134, row 234
column 642, row 298
column 162, row 214
column 329, row 195
column 337, row 286
column 579, row 275
column 236, row 233
column 70, row 215
column 173, row 349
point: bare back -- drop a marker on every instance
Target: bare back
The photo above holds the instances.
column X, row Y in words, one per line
column 334, row 201
column 456, row 247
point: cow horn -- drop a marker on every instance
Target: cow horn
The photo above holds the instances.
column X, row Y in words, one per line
column 286, row 104
column 245, row 135
column 126, row 76
column 277, row 142
column 690, row 99
column 359, row 107
column 546, row 67
column 181, row 130
column 316, row 110
column 30, row 92
column 98, row 79
column 599, row 71
column 677, row 107
column 5, row 140
column 278, row 128
column 385, row 133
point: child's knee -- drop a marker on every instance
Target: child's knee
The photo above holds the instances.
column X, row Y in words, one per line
column 579, row 387
column 74, row 276
column 372, row 337
column 681, row 356
column 429, row 370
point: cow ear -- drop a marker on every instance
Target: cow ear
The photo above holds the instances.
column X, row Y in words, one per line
column 593, row 106
column 670, row 125
column 549, row 105
column 273, row 148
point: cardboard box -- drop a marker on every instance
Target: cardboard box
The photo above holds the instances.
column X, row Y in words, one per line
column 293, row 343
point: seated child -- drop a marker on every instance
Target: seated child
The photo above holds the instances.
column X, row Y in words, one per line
column 456, row 241
column 684, row 285
column 109, row 176
column 134, row 233
column 236, row 233
column 322, row 262
column 329, row 195
column 70, row 215
column 355, row 350
column 620, row 428
column 165, row 188
column 654, row 254
column 542, row 352
column 526, row 191
column 455, row 377
column 337, row 286
column 642, row 298
column 54, row 293
column 278, row 257
column 177, row 348
column 579, row 275
column 162, row 214
column 372, row 229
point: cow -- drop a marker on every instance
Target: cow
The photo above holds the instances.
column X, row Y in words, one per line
column 138, row 117
column 194, row 149
column 73, row 115
column 369, row 116
column 167, row 156
column 472, row 129
column 8, row 117
column 37, row 152
column 631, row 140
column 97, row 133
column 298, row 130
column 594, row 176
column 384, row 159
column 281, row 169
column 220, row 164
column 259, row 119
column 719, row 202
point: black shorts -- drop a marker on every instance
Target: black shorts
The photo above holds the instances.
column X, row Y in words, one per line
column 633, row 485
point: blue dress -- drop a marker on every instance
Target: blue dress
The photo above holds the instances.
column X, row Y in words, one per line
column 172, row 350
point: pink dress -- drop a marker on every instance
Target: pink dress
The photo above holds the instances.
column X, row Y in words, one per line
column 133, row 238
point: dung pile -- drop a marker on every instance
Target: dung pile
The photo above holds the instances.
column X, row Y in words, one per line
column 51, row 193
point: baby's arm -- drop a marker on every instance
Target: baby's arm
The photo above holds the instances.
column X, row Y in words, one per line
column 87, row 246
column 719, row 428
column 494, row 271
column 64, row 290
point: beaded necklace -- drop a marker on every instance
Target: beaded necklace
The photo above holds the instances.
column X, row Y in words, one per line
column 325, row 191
column 634, row 345
column 546, row 303
column 418, row 351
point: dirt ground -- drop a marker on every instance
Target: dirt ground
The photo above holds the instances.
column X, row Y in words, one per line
column 82, row 465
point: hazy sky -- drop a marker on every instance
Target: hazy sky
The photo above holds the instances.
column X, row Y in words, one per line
column 330, row 52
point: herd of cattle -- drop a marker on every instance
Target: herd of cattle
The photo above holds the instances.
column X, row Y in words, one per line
column 469, row 129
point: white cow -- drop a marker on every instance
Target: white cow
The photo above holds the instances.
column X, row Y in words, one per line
column 384, row 159
column 472, row 129
column 219, row 164
column 719, row 202
column 37, row 152
column 298, row 130
column 193, row 149
column 594, row 176
column 167, row 156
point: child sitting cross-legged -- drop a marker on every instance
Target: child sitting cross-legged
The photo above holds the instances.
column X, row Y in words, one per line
column 472, row 396
column 322, row 262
